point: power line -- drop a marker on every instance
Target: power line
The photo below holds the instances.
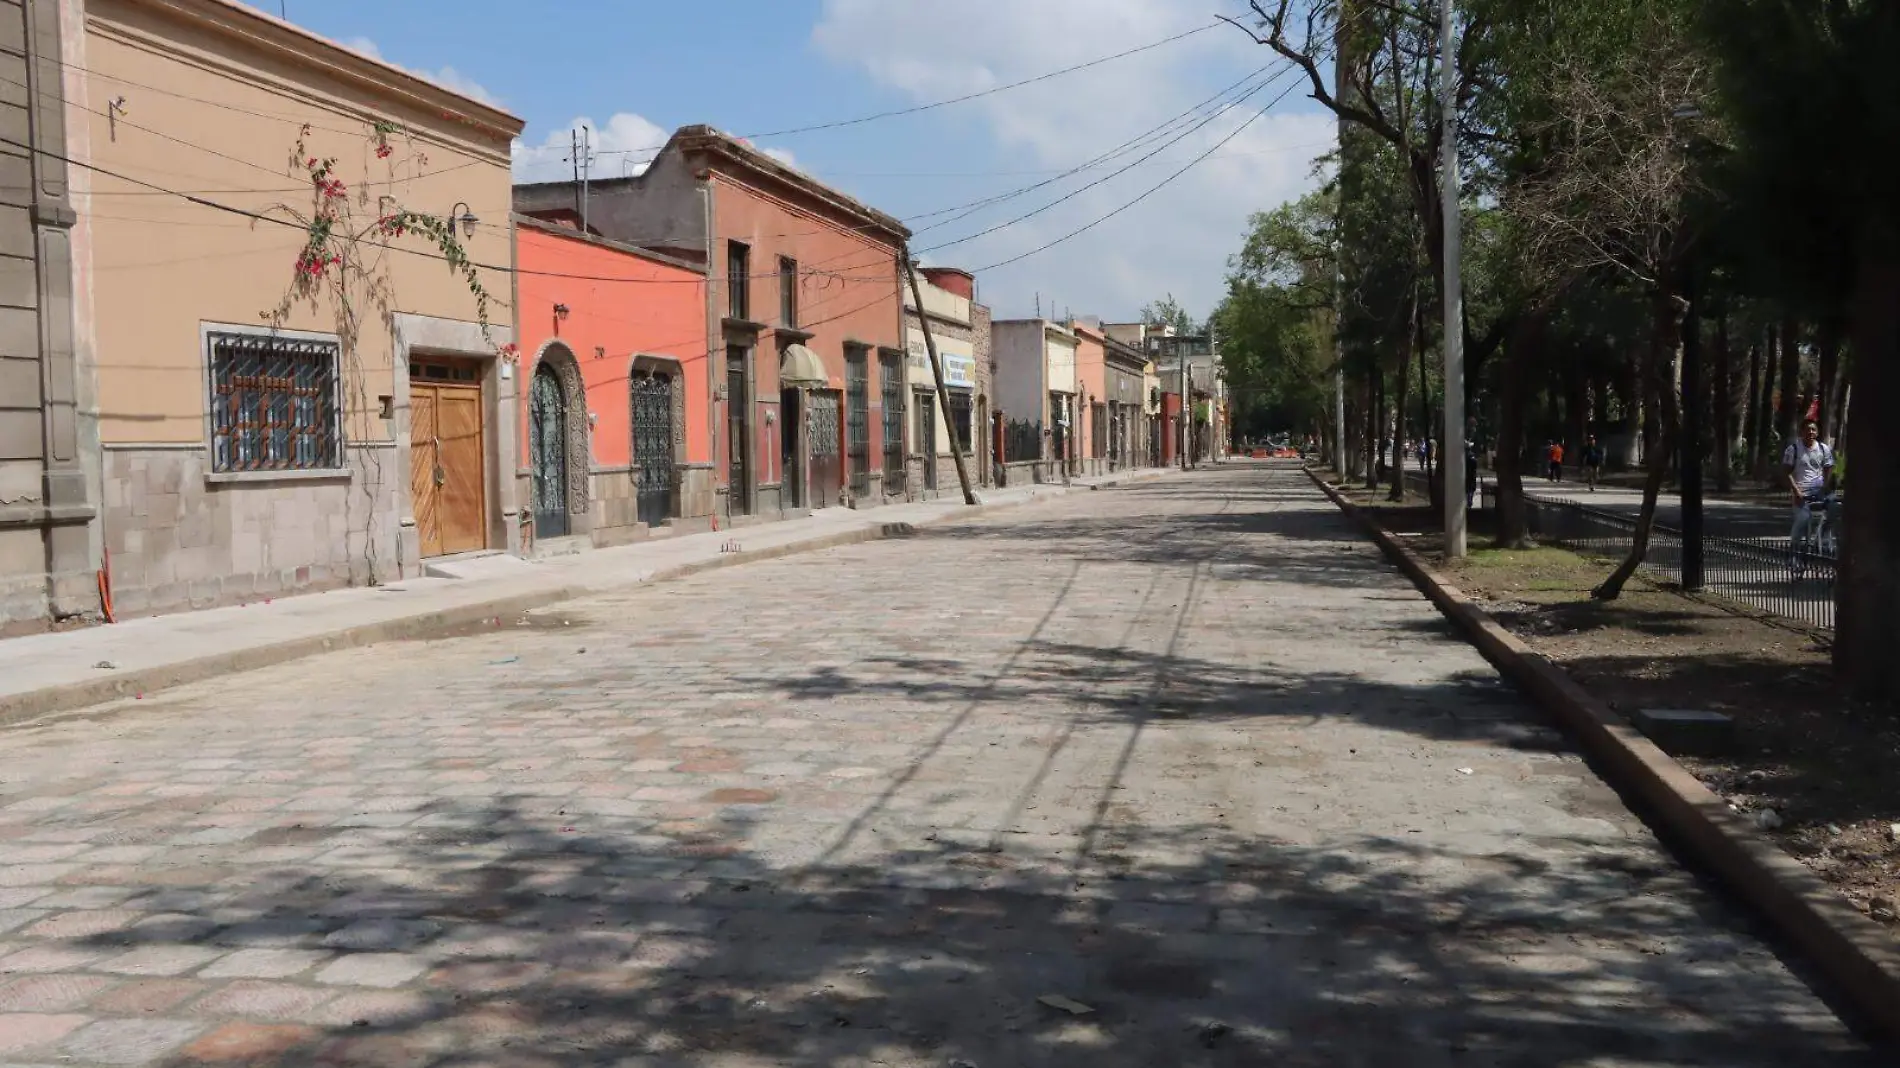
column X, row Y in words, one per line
column 1151, row 189
column 952, row 100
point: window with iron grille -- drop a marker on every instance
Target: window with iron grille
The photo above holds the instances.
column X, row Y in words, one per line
column 788, row 292
column 275, row 402
column 890, row 370
column 957, row 414
column 738, row 280
column 857, row 414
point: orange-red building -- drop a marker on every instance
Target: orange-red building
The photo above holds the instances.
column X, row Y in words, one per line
column 802, row 314
column 613, row 386
column 1090, row 455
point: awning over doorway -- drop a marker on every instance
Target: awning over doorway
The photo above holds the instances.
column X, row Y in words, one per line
column 800, row 366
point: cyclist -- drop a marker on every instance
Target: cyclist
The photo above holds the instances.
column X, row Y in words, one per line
column 1808, row 465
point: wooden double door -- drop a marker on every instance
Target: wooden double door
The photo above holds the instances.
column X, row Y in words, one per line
column 447, row 443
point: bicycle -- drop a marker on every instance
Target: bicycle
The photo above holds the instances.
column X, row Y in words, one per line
column 1817, row 532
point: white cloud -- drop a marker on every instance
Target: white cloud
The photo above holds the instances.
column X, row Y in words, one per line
column 447, row 77
column 783, row 155
column 623, row 146
column 1178, row 239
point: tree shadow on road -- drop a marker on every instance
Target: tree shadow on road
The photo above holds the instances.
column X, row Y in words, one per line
column 581, row 939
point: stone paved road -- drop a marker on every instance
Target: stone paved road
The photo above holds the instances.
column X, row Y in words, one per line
column 1186, row 753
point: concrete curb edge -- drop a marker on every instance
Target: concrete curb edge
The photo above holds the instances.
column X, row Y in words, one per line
column 34, row 705
column 1857, row 957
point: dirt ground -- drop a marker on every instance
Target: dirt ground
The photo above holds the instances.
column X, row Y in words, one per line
column 1828, row 768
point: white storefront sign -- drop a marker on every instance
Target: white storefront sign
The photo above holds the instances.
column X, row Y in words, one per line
column 959, row 360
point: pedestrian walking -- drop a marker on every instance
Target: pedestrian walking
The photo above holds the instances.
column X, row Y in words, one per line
column 1471, row 473
column 1808, row 466
column 1592, row 461
column 1554, row 462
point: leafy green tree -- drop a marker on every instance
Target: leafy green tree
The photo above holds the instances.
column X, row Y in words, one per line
column 1809, row 90
column 1168, row 312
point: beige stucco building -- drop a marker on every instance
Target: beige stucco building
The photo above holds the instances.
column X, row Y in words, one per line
column 48, row 504
column 240, row 459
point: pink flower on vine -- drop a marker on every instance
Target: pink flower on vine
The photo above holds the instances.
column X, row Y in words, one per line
column 384, row 151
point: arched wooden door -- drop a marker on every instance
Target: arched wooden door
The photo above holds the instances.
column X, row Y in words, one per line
column 547, row 452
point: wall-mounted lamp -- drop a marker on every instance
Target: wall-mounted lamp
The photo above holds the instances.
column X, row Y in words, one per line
column 460, row 213
column 560, row 311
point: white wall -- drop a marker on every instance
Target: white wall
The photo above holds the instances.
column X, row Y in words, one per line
column 1018, row 349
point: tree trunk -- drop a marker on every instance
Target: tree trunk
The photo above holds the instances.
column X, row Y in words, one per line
column 1398, row 401
column 1724, row 423
column 1765, row 415
column 1829, row 370
column 1867, row 621
column 1751, row 417
column 1520, row 355
column 1669, row 310
column 1836, row 426
column 1434, row 486
column 1577, row 415
column 1371, row 427
column 1786, row 414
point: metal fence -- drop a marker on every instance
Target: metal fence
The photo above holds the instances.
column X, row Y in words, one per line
column 1765, row 573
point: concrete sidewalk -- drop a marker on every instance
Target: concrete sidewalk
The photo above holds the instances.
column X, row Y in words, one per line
column 45, row 673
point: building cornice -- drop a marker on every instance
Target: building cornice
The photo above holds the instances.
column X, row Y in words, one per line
column 529, row 222
column 258, row 32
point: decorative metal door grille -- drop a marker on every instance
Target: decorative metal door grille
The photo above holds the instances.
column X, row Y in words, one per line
column 653, row 448
column 821, row 432
column 927, row 436
column 737, row 440
column 273, row 404
column 858, row 420
column 547, row 451
column 890, row 371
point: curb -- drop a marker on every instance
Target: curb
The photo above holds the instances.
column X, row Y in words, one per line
column 35, row 705
column 1857, row 957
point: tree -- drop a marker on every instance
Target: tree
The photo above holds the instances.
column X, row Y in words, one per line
column 1168, row 312
column 1276, row 320
column 1612, row 195
column 1809, row 86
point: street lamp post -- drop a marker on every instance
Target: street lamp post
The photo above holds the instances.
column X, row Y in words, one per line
column 1690, row 459
column 1453, row 454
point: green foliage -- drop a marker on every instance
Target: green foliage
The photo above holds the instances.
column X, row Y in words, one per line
column 1168, row 312
column 1275, row 323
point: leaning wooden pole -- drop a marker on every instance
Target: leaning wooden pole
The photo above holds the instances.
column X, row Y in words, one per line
column 936, row 371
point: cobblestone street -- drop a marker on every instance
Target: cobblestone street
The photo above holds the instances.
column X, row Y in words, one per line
column 1170, row 774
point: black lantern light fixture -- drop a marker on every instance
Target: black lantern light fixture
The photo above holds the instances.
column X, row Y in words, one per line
column 461, row 213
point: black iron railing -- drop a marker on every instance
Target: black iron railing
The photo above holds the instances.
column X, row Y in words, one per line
column 1768, row 573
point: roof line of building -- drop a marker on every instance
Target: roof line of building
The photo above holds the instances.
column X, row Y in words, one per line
column 557, row 230
column 270, row 34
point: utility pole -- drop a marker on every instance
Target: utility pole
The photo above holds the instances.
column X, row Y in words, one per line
column 1454, row 447
column 936, row 371
column 1187, row 406
column 1691, row 463
column 574, row 157
column 587, row 169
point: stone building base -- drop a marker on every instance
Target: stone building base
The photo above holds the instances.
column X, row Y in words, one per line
column 178, row 540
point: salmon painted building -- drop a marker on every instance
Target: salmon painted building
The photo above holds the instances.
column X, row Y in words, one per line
column 803, row 325
column 613, row 390
column 1090, row 453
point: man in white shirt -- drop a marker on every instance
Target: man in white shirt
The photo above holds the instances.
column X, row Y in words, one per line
column 1808, row 465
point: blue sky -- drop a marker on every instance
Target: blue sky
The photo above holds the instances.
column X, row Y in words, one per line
column 635, row 69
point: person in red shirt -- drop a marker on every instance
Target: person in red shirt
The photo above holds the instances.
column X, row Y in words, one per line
column 1555, row 455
